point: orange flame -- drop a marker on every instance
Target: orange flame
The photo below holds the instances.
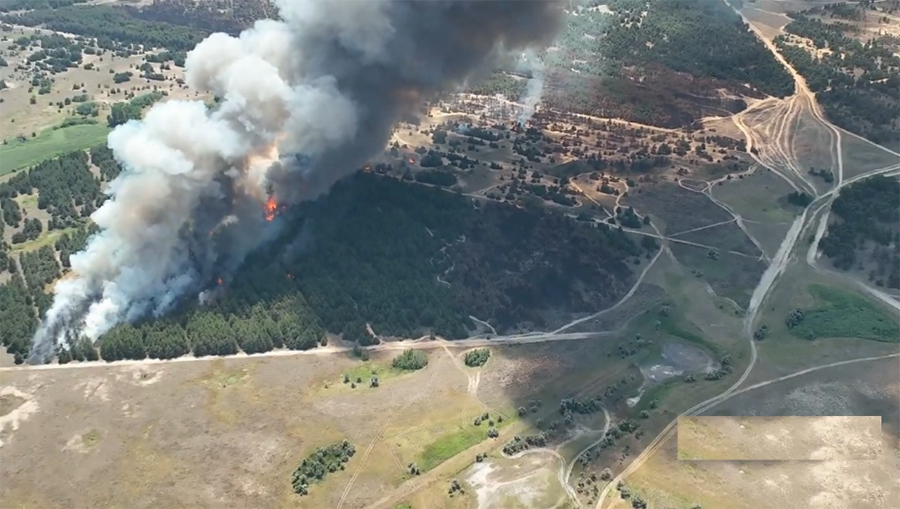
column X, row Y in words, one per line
column 271, row 208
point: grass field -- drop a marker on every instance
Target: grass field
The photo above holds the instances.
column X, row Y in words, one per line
column 450, row 445
column 861, row 156
column 676, row 208
column 730, row 276
column 812, row 143
column 16, row 154
column 840, row 314
column 725, row 237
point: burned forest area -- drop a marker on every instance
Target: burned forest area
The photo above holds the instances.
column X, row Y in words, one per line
column 407, row 260
column 380, row 257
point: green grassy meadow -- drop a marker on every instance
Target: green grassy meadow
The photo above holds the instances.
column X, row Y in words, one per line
column 17, row 154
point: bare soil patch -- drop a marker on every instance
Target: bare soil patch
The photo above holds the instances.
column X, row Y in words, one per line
column 786, row 438
column 676, row 359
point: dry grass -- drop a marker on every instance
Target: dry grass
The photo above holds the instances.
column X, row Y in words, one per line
column 759, row 198
column 230, row 431
column 860, row 156
column 679, row 209
column 787, row 438
column 863, row 389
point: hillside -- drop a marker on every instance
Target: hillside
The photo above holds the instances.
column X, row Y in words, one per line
column 658, row 62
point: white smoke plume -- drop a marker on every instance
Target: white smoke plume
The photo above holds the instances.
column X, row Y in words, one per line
column 534, row 89
column 304, row 101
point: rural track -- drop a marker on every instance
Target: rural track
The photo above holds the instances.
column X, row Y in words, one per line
column 571, row 465
column 560, row 473
column 782, row 257
column 710, row 403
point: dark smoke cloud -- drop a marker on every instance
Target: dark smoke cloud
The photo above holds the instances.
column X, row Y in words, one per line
column 305, row 101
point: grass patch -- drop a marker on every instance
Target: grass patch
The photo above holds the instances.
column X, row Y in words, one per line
column 451, row 444
column 46, row 238
column 27, row 200
column 367, row 369
column 17, row 154
column 91, row 438
column 8, row 403
column 840, row 314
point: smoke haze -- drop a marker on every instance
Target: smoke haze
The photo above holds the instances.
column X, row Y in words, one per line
column 534, row 88
column 304, row 102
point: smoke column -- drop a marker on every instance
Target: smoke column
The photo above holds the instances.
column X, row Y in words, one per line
column 304, row 102
column 534, row 89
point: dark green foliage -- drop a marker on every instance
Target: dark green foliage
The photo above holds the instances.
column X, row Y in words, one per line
column 373, row 259
column 12, row 213
column 436, row 177
column 519, row 444
column 410, row 360
column 31, row 230
column 477, row 357
column 164, row 340
column 795, row 318
column 839, row 314
column 111, row 23
column 585, row 406
column 501, row 83
column 869, row 217
column 628, row 218
column 210, row 334
column 88, row 109
column 762, row 332
column 17, row 316
column 39, row 269
column 71, row 243
column 826, row 175
column 122, row 342
column 319, row 464
column 102, row 157
column 799, row 198
column 697, row 37
column 132, row 110
column 63, row 184
column 251, row 337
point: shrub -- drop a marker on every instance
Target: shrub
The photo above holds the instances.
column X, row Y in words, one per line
column 410, row 360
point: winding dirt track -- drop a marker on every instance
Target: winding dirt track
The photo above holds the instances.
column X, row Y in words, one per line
column 777, row 154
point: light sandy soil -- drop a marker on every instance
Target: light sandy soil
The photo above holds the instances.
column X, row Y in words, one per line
column 525, row 482
column 795, row 438
column 227, row 433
